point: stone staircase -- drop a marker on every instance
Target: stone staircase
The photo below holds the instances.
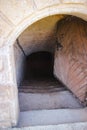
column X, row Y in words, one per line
column 48, row 103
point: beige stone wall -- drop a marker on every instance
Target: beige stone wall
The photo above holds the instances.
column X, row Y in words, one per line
column 15, row 17
column 19, row 63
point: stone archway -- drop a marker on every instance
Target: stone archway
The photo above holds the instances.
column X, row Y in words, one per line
column 10, row 30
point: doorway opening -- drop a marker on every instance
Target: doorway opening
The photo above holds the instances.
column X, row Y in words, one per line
column 42, row 95
column 39, row 72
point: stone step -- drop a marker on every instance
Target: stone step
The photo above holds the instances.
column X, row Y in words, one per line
column 41, row 86
column 70, row 126
column 52, row 117
column 54, row 100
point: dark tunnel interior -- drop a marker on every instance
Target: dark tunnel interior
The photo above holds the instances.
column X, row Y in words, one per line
column 39, row 65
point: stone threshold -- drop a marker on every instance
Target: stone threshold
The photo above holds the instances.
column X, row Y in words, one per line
column 71, row 126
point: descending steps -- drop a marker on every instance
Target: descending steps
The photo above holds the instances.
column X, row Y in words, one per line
column 41, row 86
column 48, row 103
column 55, row 100
column 45, row 94
column 52, row 117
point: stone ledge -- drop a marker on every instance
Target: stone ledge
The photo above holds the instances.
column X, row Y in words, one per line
column 72, row 126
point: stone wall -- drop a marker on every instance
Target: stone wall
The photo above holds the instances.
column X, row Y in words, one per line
column 19, row 63
column 70, row 64
column 15, row 17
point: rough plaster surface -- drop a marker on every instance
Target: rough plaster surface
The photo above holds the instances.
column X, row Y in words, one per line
column 15, row 17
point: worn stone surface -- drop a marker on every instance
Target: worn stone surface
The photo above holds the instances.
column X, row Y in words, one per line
column 70, row 126
column 51, row 117
column 53, row 100
column 15, row 17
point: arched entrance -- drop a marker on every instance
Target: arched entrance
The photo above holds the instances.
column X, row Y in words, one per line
column 64, row 8
column 45, row 40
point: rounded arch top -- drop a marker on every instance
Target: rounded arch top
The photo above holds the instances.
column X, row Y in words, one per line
column 78, row 10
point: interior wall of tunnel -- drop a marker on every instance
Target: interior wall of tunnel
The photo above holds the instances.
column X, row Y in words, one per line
column 40, row 36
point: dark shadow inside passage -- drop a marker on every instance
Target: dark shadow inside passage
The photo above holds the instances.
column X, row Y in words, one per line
column 39, row 65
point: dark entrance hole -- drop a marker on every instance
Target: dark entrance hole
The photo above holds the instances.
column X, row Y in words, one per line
column 39, row 65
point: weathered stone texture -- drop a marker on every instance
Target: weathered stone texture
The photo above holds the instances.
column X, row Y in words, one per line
column 15, row 16
column 5, row 28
